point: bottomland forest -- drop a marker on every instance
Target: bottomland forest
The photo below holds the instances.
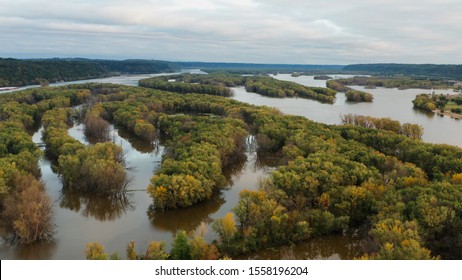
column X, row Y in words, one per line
column 402, row 195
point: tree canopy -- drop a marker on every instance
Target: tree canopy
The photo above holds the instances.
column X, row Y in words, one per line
column 402, row 193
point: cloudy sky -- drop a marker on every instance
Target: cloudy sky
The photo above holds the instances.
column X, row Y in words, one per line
column 269, row 31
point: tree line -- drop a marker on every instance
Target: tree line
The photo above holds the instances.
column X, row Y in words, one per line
column 419, row 70
column 15, row 72
column 411, row 130
column 184, row 247
column 400, row 82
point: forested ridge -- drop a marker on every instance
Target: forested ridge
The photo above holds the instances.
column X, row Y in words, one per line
column 400, row 82
column 404, row 195
column 15, row 72
column 256, row 67
column 426, row 70
column 22, row 72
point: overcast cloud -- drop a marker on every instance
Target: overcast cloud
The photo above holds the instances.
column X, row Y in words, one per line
column 270, row 31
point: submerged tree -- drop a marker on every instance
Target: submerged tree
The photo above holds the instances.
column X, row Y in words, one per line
column 28, row 212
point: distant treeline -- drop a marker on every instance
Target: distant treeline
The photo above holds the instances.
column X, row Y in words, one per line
column 427, row 70
column 252, row 67
column 15, row 72
column 21, row 72
column 400, row 82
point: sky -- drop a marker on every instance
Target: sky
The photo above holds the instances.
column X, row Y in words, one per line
column 254, row 31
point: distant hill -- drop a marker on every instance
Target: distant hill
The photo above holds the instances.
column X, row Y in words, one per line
column 137, row 66
column 22, row 72
column 254, row 67
column 447, row 71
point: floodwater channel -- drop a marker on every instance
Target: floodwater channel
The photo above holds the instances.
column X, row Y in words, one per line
column 80, row 219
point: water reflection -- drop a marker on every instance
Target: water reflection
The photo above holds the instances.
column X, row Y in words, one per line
column 334, row 247
column 14, row 250
column 267, row 162
column 100, row 208
column 234, row 167
column 35, row 251
column 253, row 158
column 186, row 218
column 141, row 146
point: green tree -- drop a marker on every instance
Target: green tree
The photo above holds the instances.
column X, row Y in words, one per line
column 180, row 247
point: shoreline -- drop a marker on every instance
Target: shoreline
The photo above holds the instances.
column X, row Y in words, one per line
column 8, row 88
column 449, row 114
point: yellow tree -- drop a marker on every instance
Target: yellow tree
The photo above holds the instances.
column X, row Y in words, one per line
column 95, row 251
column 226, row 227
column 399, row 241
column 156, row 251
column 131, row 252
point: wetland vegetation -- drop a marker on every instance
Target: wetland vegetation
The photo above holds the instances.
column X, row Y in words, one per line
column 219, row 83
column 431, row 102
column 403, row 195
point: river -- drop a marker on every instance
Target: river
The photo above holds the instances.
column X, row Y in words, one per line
column 388, row 102
column 126, row 79
column 82, row 219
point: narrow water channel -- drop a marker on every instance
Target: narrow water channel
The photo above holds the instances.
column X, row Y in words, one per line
column 80, row 219
column 331, row 247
